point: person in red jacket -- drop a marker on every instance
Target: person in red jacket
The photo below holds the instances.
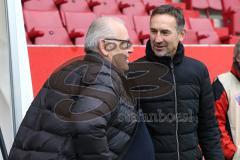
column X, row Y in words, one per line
column 226, row 90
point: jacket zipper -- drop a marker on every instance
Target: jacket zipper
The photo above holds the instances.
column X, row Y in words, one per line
column 176, row 110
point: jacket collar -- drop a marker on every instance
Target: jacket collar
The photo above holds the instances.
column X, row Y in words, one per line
column 236, row 70
column 165, row 59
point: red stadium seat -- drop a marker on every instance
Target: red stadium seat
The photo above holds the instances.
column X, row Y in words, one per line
column 133, row 1
column 41, row 19
column 28, row 39
column 215, row 4
column 131, row 8
column 230, row 5
column 151, row 4
column 230, row 8
column 132, row 34
column 190, row 37
column 205, row 31
column 200, row 4
column 79, row 20
column 77, row 24
column 134, row 37
column 201, row 24
column 234, row 39
column 204, row 4
column 42, row 26
column 42, row 5
column 79, row 39
column 222, row 31
column 56, row 36
column 104, row 7
column 208, row 37
column 180, row 5
column 154, row 2
column 190, row 14
column 236, row 23
column 73, row 6
column 142, row 27
column 128, row 21
column 232, row 21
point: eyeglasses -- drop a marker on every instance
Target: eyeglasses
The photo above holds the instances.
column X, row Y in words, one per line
column 124, row 44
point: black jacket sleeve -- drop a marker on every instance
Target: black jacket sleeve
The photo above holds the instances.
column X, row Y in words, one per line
column 64, row 127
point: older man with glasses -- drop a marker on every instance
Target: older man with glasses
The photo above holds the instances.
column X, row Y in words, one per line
column 84, row 111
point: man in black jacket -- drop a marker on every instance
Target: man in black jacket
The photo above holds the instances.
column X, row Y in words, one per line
column 182, row 123
column 83, row 111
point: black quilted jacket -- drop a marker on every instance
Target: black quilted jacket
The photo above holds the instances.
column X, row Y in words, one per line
column 191, row 101
column 81, row 113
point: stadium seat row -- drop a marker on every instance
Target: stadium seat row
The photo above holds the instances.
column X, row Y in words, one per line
column 66, row 21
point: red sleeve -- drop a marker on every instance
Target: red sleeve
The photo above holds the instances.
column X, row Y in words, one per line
column 221, row 107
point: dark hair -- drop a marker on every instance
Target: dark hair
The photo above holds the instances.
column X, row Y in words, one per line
column 170, row 10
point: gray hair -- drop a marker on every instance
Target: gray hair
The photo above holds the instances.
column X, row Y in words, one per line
column 100, row 29
column 236, row 50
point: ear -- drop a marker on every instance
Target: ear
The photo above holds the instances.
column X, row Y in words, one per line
column 181, row 34
column 101, row 47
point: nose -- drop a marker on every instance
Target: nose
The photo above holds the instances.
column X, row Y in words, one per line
column 130, row 50
column 158, row 37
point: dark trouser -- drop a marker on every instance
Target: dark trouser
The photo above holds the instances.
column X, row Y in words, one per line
column 142, row 146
